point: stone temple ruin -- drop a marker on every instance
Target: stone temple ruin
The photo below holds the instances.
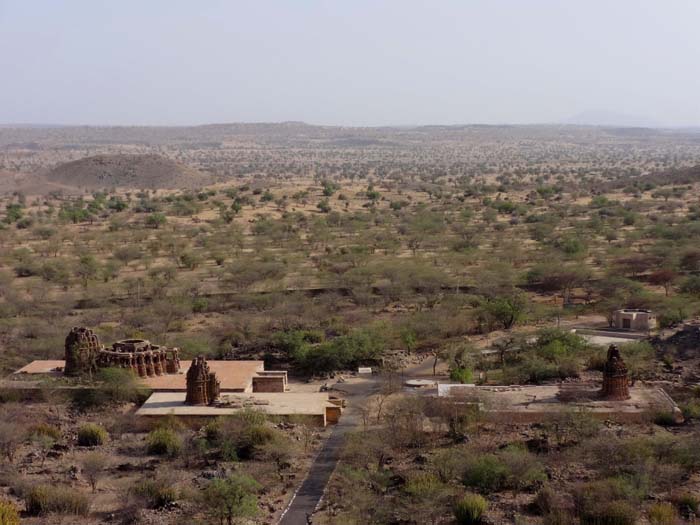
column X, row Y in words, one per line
column 203, row 387
column 84, row 355
column 615, row 380
column 616, row 400
column 81, row 349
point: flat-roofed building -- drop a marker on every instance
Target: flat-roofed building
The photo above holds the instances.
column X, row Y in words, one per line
column 634, row 320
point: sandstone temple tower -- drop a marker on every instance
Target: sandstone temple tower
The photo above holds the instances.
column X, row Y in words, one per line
column 615, row 380
column 202, row 386
column 81, row 350
column 84, row 355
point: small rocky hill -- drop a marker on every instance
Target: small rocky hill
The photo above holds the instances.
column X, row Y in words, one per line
column 127, row 171
column 29, row 184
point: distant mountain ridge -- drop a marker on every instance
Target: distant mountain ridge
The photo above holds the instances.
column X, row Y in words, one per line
column 611, row 119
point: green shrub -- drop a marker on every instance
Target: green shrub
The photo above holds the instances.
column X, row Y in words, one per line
column 85, row 399
column 470, row 509
column 92, row 435
column 664, row 419
column 8, row 513
column 547, row 501
column 606, row 502
column 611, row 513
column 164, row 442
column 228, row 450
column 200, row 304
column 41, row 500
column 669, row 319
column 691, row 285
column 639, row 357
column 114, row 385
column 662, row 514
column 212, row 431
column 423, row 485
column 692, row 409
column 45, row 429
column 558, row 517
column 523, row 469
column 461, row 374
column 531, row 370
column 253, row 437
column 157, row 492
column 120, row 385
column 556, row 354
column 341, row 353
column 486, row 474
column 512, row 468
column 687, row 502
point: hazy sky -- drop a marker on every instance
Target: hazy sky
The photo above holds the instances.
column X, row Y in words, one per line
column 353, row 62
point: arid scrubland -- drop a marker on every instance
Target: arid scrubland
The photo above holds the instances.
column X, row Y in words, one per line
column 324, row 249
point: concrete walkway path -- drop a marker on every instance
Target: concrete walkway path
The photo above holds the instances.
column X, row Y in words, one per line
column 309, row 495
column 357, row 390
column 311, row 491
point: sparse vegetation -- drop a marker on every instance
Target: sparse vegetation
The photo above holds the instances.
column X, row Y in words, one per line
column 92, row 435
column 470, row 509
column 467, row 254
column 42, row 500
column 8, row 513
column 164, row 442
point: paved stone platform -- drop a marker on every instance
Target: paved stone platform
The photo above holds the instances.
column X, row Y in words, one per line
column 235, row 376
column 312, row 404
column 528, row 403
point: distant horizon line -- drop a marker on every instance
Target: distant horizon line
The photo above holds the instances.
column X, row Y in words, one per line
column 28, row 125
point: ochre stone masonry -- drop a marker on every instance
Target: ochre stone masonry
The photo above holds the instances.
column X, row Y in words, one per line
column 269, row 384
column 81, row 349
column 203, row 388
column 615, row 379
column 84, row 355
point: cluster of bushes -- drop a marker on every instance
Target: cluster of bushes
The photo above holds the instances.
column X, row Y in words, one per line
column 667, row 457
column 157, row 492
column 609, row 501
column 631, row 468
column 470, row 510
column 240, row 436
column 112, row 385
column 8, row 513
column 92, row 435
column 556, row 354
column 164, row 441
column 45, row 429
column 41, row 500
column 511, row 468
column 311, row 353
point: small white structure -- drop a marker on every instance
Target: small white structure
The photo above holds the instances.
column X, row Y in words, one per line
column 364, row 370
column 420, row 383
column 634, row 320
column 455, row 389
